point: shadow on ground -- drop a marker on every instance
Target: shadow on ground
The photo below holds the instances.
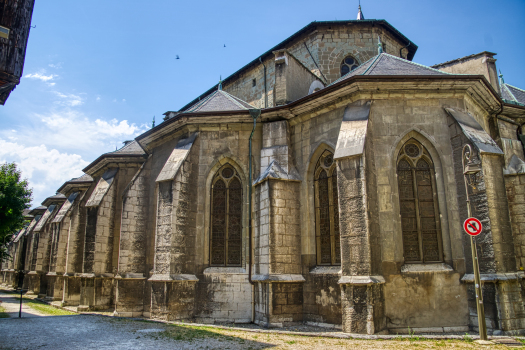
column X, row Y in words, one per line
column 87, row 331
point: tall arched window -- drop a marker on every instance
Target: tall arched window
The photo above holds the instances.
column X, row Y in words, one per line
column 226, row 218
column 327, row 211
column 418, row 203
column 348, row 65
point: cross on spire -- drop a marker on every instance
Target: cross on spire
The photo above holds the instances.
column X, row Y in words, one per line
column 220, row 83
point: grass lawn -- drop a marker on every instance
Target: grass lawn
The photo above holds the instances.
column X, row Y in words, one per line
column 3, row 314
column 45, row 309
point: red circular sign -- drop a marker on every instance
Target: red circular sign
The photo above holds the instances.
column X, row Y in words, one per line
column 472, row 226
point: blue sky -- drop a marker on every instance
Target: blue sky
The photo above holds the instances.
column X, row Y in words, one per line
column 96, row 72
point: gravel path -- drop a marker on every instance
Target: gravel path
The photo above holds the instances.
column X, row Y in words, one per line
column 100, row 332
column 34, row 331
column 12, row 306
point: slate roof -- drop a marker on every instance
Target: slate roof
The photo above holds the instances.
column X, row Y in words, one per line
column 219, row 100
column 83, row 178
column 131, row 148
column 386, row 64
column 512, row 94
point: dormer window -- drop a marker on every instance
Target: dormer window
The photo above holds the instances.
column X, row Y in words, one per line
column 348, row 65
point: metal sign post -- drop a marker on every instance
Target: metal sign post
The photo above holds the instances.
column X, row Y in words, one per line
column 474, row 227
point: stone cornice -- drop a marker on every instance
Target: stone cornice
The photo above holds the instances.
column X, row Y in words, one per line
column 474, row 87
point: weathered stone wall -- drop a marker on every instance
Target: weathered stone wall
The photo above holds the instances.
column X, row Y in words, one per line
column 99, row 239
column 308, row 139
column 481, row 64
column 506, row 137
column 515, row 186
column 133, row 234
column 224, row 295
column 242, row 85
column 328, row 45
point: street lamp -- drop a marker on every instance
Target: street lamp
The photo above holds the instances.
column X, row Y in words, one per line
column 471, row 172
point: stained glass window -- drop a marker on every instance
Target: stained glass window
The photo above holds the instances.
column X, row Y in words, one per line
column 226, row 218
column 327, row 211
column 348, row 65
column 418, row 204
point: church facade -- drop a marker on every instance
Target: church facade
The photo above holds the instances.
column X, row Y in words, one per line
column 322, row 183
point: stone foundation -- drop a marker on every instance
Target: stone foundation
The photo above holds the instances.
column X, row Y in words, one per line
column 363, row 308
column 172, row 300
column 71, row 295
column 55, row 287
column 96, row 293
column 129, row 297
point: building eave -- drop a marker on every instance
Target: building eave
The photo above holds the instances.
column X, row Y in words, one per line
column 324, row 96
column 107, row 158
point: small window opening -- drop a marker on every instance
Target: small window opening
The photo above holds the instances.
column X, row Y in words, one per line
column 254, row 82
column 348, row 65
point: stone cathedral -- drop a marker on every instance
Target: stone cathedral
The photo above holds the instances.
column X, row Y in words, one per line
column 347, row 211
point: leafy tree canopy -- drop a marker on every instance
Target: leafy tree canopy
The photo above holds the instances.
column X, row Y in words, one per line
column 15, row 196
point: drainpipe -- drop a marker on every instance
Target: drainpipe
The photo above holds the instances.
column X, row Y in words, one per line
column 255, row 113
column 265, row 93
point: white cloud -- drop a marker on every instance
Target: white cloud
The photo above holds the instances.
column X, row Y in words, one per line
column 69, row 130
column 123, row 100
column 41, row 76
column 55, row 65
column 98, row 98
column 71, row 100
column 46, row 169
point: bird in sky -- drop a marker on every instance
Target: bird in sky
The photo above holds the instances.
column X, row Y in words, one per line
column 177, row 57
column 224, row 45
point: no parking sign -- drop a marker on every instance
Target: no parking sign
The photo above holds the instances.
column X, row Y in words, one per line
column 472, row 226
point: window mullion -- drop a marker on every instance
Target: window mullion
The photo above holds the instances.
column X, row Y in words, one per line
column 317, row 221
column 332, row 218
column 418, row 218
column 227, row 224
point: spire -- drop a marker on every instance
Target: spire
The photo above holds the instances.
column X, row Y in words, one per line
column 220, row 83
column 153, row 122
column 360, row 15
column 501, row 81
column 379, row 46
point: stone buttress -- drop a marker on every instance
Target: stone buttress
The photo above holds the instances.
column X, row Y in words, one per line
column 501, row 281
column 362, row 298
column 277, row 239
column 173, row 279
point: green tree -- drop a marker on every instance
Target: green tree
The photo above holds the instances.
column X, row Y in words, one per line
column 15, row 196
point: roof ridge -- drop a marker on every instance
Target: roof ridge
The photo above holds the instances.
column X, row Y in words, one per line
column 419, row 64
column 202, row 102
column 510, row 92
column 234, row 99
column 343, row 77
column 514, row 87
column 372, row 65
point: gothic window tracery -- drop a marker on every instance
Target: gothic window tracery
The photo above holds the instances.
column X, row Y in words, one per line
column 327, row 211
column 226, row 218
column 348, row 65
column 418, row 204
